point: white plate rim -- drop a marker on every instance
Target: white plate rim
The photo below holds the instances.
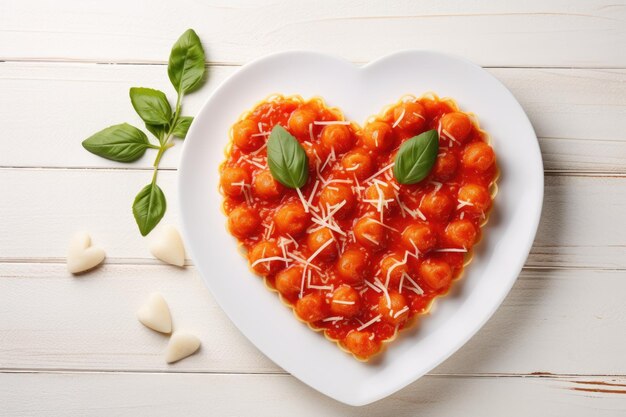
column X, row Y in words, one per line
column 187, row 226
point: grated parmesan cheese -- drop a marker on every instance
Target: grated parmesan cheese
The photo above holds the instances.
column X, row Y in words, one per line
column 369, row 323
column 399, row 313
column 348, row 303
column 269, row 259
column 416, row 288
column 399, row 119
column 463, row 204
column 380, row 171
column 332, row 122
column 334, row 319
column 451, row 250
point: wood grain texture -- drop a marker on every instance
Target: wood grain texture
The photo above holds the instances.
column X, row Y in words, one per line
column 530, row 33
column 564, row 61
column 122, row 394
column 578, row 114
column 42, row 208
column 52, row 320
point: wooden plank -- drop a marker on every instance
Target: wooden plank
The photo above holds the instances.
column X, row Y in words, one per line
column 578, row 114
column 42, row 208
column 120, row 394
column 493, row 33
column 51, row 320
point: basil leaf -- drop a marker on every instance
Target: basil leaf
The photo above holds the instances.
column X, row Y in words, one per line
column 149, row 208
column 122, row 143
column 151, row 105
column 416, row 157
column 286, row 158
column 182, row 126
column 186, row 64
column 157, row 130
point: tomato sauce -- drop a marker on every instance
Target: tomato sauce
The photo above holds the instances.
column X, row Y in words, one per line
column 353, row 267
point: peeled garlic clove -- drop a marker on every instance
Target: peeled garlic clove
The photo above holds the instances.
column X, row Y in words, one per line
column 155, row 314
column 181, row 345
column 167, row 245
column 81, row 256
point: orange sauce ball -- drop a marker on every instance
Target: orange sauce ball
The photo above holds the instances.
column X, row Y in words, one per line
column 334, row 194
column 410, row 115
column 392, row 268
column 245, row 135
column 263, row 250
column 362, row 344
column 393, row 309
column 320, row 238
column 477, row 196
column 358, row 163
column 346, row 302
column 445, row 166
column 478, row 156
column 291, row 219
column 266, row 187
column 419, row 235
column 436, row 274
column 378, row 136
column 337, row 137
column 437, row 205
column 456, row 125
column 380, row 196
column 311, row 307
column 288, row 281
column 352, row 265
column 461, row 233
column 316, row 152
column 233, row 180
column 300, row 120
column 433, row 107
column 243, row 221
column 369, row 233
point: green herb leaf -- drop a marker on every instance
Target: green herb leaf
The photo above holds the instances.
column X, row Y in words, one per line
column 122, row 143
column 186, row 64
column 286, row 158
column 151, row 105
column 416, row 157
column 157, row 130
column 182, row 126
column 149, row 208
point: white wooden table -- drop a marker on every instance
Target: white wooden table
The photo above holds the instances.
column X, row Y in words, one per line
column 72, row 346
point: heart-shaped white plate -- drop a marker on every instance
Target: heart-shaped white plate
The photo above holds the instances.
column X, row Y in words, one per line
column 360, row 92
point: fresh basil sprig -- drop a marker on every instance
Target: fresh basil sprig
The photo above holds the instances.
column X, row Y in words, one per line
column 416, row 157
column 286, row 158
column 126, row 143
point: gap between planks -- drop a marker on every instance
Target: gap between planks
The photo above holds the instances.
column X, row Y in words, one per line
column 210, row 64
column 547, row 172
column 189, row 264
column 536, row 375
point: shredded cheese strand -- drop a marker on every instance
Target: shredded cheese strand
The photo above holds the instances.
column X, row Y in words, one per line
column 380, row 172
column 271, row 258
column 369, row 323
column 399, row 119
column 332, row 122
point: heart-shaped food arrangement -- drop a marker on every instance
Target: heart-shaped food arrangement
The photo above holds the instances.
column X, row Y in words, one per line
column 358, row 229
